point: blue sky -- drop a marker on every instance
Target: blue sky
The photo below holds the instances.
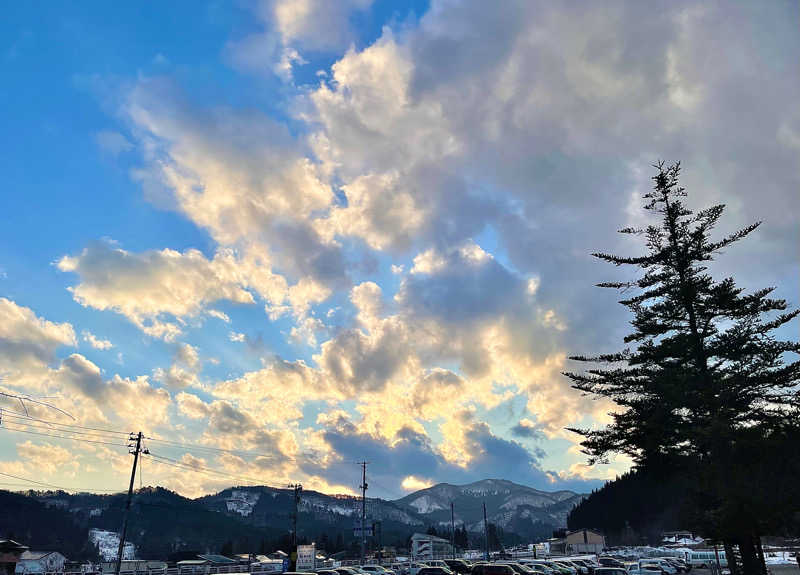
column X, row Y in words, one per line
column 321, row 230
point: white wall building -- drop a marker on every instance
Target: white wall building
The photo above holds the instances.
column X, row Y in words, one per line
column 40, row 562
column 425, row 546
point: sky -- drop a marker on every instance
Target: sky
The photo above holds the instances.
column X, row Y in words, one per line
column 281, row 237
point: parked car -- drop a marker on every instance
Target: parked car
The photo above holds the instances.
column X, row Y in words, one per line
column 588, row 565
column 581, row 569
column 517, row 567
column 676, row 564
column 492, row 569
column 610, row 571
column 686, row 565
column 434, row 571
column 327, row 572
column 458, row 566
column 377, row 570
column 539, row 565
column 665, row 565
column 610, row 562
column 414, row 568
column 559, row 569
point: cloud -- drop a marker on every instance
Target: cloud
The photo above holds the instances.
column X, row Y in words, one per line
column 276, row 393
column 48, row 459
column 28, row 342
column 479, row 155
column 492, row 456
column 96, row 342
column 526, row 428
column 230, row 427
column 413, row 483
column 537, row 120
column 112, row 143
column 132, row 401
column 289, row 25
column 156, row 290
column 248, row 182
column 184, row 370
column 219, row 315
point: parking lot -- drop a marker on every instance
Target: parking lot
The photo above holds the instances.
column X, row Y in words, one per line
column 774, row 569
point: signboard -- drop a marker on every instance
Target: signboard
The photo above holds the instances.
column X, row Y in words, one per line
column 306, row 557
column 541, row 550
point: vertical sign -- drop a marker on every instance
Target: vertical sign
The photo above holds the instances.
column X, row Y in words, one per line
column 306, row 557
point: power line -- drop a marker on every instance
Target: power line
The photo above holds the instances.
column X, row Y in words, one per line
column 17, row 414
column 53, row 486
column 24, row 421
column 218, row 449
column 389, row 490
column 5, row 426
column 175, row 463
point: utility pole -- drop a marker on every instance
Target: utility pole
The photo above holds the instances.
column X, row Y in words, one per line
column 485, row 532
column 137, row 448
column 363, row 487
column 452, row 531
column 297, row 488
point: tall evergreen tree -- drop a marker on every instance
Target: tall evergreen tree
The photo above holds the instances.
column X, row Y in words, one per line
column 706, row 370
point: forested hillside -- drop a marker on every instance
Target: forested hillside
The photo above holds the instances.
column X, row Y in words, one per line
column 635, row 508
column 42, row 527
column 164, row 524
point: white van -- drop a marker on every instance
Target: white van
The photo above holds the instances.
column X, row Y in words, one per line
column 665, row 565
column 706, row 558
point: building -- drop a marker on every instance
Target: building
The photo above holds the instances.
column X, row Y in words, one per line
column 133, row 565
column 10, row 553
column 585, row 541
column 425, row 546
column 192, row 566
column 204, row 563
column 40, row 562
column 557, row 546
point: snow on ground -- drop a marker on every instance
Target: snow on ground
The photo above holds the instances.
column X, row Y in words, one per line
column 107, row 543
column 242, row 502
column 779, row 558
column 425, row 504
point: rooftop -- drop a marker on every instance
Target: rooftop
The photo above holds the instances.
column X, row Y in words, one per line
column 219, row 559
column 34, row 555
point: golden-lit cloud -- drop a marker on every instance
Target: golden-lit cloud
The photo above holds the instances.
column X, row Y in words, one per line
column 412, row 483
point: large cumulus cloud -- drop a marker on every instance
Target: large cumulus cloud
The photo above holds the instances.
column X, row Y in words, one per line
column 485, row 153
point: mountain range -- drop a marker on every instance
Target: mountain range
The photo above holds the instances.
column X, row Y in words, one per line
column 252, row 518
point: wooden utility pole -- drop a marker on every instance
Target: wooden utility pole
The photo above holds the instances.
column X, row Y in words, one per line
column 137, row 448
column 452, row 531
column 297, row 488
column 363, row 487
column 485, row 532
